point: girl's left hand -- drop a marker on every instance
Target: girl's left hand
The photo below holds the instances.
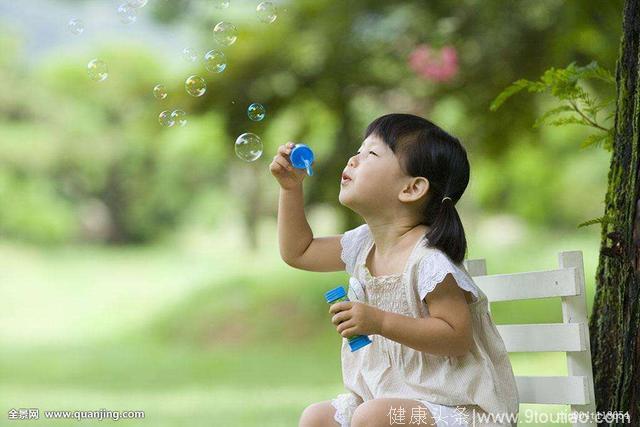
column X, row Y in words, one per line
column 356, row 318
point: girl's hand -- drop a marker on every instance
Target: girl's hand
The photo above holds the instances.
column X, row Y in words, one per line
column 281, row 168
column 356, row 318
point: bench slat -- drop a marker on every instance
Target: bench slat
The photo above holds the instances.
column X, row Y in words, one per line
column 544, row 337
column 553, row 390
column 529, row 285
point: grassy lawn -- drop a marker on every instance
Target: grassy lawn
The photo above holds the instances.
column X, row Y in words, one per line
column 193, row 332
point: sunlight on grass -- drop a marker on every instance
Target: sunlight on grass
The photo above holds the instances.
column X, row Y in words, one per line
column 197, row 406
column 200, row 330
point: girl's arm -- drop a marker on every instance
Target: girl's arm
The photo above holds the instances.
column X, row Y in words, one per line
column 298, row 247
column 447, row 330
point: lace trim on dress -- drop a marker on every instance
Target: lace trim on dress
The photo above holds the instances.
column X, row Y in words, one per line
column 345, row 404
column 432, row 270
column 352, row 241
column 383, row 278
column 387, row 293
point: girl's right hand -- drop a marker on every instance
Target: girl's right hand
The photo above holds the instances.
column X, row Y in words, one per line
column 281, row 168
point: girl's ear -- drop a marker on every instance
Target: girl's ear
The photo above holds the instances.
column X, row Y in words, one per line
column 414, row 190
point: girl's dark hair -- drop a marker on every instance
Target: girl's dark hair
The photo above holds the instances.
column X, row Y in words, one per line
column 426, row 150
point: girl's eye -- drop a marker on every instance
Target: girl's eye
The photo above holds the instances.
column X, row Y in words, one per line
column 358, row 152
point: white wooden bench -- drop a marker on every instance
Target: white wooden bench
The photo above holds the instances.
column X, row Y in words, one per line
column 570, row 336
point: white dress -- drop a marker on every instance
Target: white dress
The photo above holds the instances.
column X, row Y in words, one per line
column 482, row 379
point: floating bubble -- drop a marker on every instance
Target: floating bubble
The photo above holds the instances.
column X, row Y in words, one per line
column 179, row 117
column 225, row 34
column 221, row 4
column 76, row 26
column 215, row 61
column 267, row 12
column 256, row 112
column 248, row 147
column 166, row 119
column 190, row 54
column 137, row 4
column 195, row 85
column 160, row 92
column 127, row 14
column 97, row 70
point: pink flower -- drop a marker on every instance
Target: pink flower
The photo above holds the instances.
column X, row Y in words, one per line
column 431, row 66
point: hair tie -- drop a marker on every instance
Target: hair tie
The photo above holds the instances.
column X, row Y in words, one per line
column 445, row 197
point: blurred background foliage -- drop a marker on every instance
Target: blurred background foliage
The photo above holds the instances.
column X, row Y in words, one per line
column 106, row 170
column 138, row 264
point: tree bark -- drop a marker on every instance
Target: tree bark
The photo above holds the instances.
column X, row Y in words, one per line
column 614, row 322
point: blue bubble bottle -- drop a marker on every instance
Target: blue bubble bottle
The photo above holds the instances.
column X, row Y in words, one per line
column 339, row 294
column 301, row 157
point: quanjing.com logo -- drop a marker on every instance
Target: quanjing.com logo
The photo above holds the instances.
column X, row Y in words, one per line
column 22, row 414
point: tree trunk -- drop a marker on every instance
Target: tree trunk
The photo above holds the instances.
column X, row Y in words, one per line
column 614, row 322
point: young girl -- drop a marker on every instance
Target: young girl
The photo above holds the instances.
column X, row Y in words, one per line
column 436, row 357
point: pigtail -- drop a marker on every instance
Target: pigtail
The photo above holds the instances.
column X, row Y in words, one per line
column 446, row 232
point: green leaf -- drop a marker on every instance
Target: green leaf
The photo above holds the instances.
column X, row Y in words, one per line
column 561, row 83
column 604, row 220
column 610, row 115
column 509, row 91
column 555, row 111
column 569, row 121
column 596, row 140
column 594, row 71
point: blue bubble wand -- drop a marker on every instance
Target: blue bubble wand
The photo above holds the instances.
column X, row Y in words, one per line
column 302, row 157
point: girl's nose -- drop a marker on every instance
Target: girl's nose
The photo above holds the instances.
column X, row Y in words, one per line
column 352, row 160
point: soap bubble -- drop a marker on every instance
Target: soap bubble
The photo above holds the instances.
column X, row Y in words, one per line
column 76, row 26
column 221, row 4
column 195, row 85
column 256, row 112
column 179, row 117
column 189, row 54
column 97, row 70
column 266, row 12
column 166, row 119
column 225, row 34
column 160, row 92
column 137, row 4
column 248, row 147
column 127, row 14
column 215, row 61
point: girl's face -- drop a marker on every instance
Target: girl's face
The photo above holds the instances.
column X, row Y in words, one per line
column 372, row 179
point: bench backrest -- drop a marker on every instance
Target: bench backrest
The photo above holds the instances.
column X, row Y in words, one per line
column 570, row 336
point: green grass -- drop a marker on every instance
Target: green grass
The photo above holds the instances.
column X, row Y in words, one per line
column 200, row 332
column 178, row 406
